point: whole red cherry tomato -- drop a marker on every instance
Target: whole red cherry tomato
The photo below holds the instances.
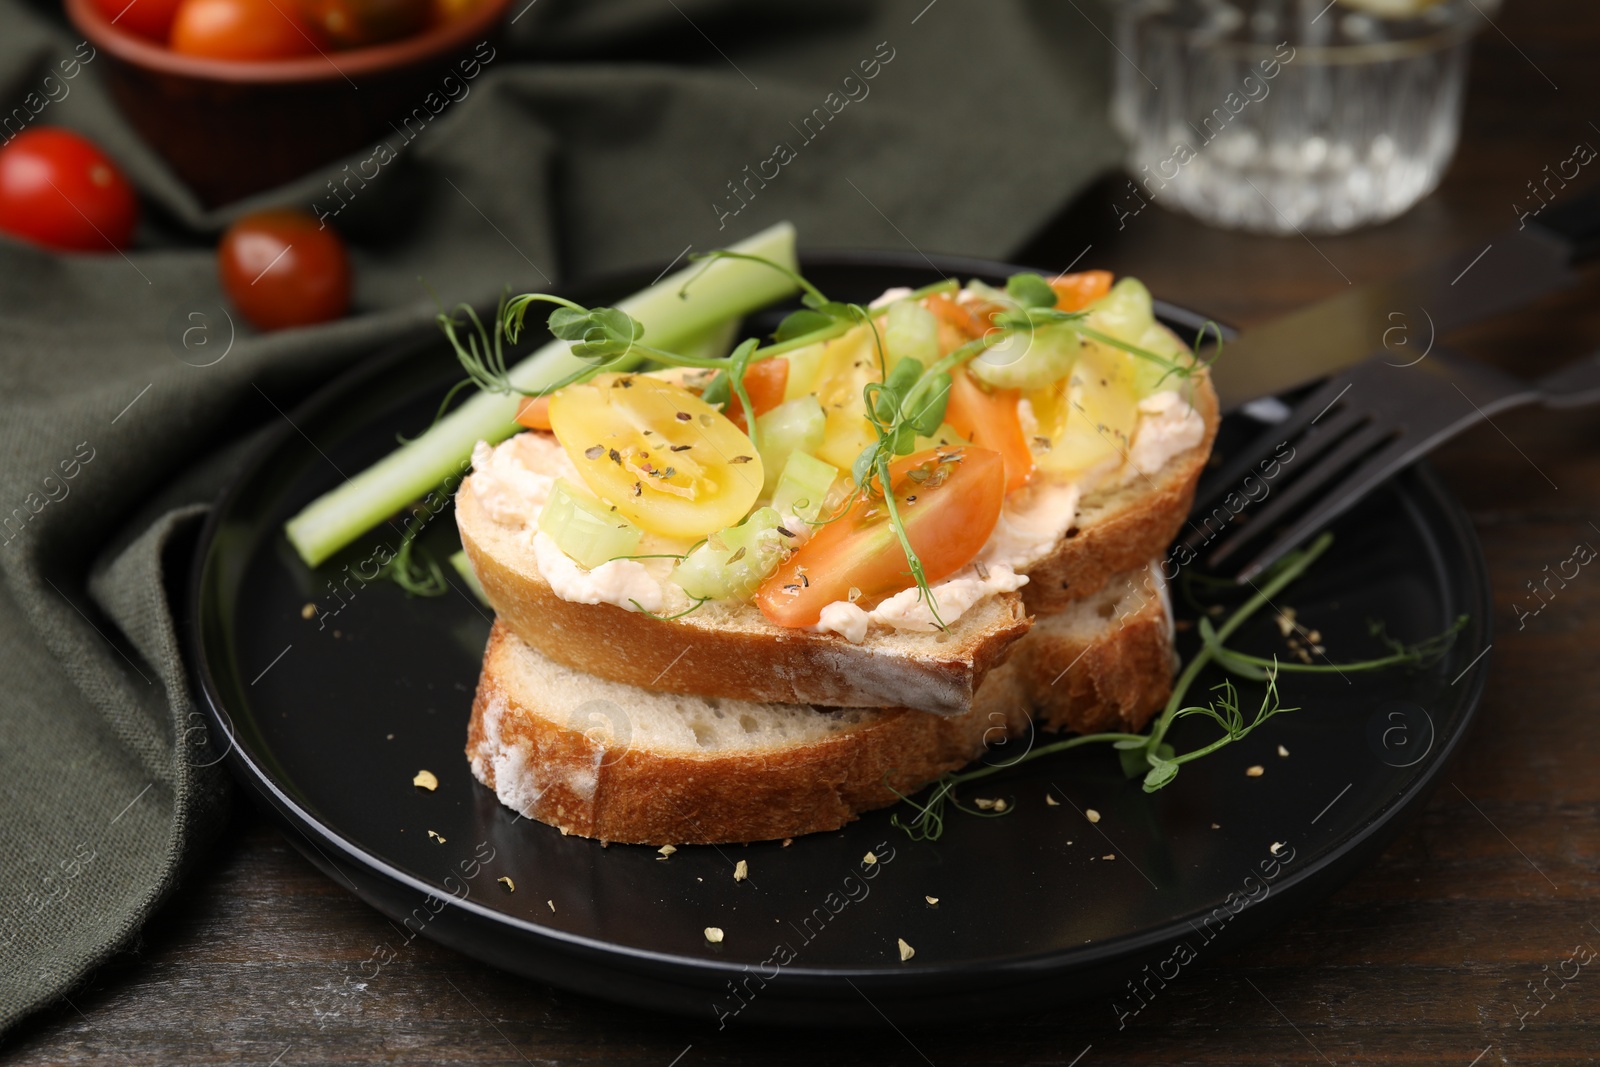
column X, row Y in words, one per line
column 58, row 189
column 241, row 29
column 147, row 18
column 284, row 268
column 357, row 23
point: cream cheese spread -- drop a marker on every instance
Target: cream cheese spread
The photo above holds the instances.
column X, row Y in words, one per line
column 1168, row 425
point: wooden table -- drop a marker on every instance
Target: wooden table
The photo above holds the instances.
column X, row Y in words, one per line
column 1426, row 958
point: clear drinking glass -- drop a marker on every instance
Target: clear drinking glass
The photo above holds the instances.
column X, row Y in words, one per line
column 1290, row 115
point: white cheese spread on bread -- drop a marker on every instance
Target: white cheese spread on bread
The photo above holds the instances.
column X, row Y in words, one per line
column 1168, row 425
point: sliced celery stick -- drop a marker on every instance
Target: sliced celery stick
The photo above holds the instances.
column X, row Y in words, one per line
column 1029, row 360
column 714, row 343
column 805, row 364
column 463, row 567
column 723, row 289
column 911, row 332
column 803, row 488
column 1125, row 312
column 584, row 528
column 733, row 562
column 793, row 424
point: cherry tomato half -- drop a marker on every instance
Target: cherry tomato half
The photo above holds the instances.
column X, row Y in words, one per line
column 990, row 420
column 949, row 499
column 284, row 268
column 240, row 29
column 1074, row 292
column 147, row 18
column 59, row 190
column 534, row 412
column 764, row 381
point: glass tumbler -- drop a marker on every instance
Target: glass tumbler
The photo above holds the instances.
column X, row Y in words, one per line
column 1285, row 116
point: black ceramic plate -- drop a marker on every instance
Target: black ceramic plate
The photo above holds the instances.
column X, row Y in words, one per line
column 327, row 719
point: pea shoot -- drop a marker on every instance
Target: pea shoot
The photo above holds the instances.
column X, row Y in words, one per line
column 1150, row 753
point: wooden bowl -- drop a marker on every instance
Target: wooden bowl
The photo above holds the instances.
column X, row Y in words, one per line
column 231, row 128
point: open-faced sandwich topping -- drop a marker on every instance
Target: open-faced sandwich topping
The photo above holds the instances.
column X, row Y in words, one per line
column 894, row 473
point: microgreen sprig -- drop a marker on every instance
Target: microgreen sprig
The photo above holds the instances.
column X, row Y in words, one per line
column 642, row 610
column 1150, row 752
column 414, row 569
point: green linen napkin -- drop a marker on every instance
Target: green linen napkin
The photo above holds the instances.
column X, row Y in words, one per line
column 601, row 134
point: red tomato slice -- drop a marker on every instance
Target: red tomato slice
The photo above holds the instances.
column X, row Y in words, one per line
column 534, row 412
column 989, row 420
column 765, row 381
column 955, row 315
column 950, row 501
column 1074, row 292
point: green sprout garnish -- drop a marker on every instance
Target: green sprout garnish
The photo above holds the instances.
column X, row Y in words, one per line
column 668, row 618
column 1149, row 752
column 415, row 570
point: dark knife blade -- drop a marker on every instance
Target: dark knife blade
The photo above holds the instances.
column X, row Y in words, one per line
column 1403, row 315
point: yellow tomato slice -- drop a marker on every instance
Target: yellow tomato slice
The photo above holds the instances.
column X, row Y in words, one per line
column 1087, row 419
column 849, row 362
column 668, row 461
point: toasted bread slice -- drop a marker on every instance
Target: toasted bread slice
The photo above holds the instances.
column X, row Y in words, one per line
column 1104, row 662
column 732, row 651
column 602, row 759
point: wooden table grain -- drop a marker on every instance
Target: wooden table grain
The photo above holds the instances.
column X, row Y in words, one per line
column 1441, row 953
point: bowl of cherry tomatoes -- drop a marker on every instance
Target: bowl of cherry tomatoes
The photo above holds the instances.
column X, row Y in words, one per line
column 243, row 95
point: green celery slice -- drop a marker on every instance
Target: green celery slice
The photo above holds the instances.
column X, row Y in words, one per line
column 584, row 528
column 803, row 487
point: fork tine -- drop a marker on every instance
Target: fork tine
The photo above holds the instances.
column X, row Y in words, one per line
column 1306, row 451
column 1307, row 412
column 1313, row 479
column 1377, row 469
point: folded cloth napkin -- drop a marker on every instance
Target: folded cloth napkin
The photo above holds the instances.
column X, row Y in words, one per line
column 601, row 134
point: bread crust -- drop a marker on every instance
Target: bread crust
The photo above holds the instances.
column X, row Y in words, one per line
column 1117, row 676
column 1117, row 531
column 749, row 659
column 1115, row 681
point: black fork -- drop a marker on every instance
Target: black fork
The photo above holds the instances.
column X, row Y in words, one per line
column 1348, row 436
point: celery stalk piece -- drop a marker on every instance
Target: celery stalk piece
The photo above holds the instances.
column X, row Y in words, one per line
column 803, row 488
column 723, row 290
column 911, row 331
column 584, row 528
column 463, row 567
column 714, row 343
column 794, row 425
column 734, row 562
